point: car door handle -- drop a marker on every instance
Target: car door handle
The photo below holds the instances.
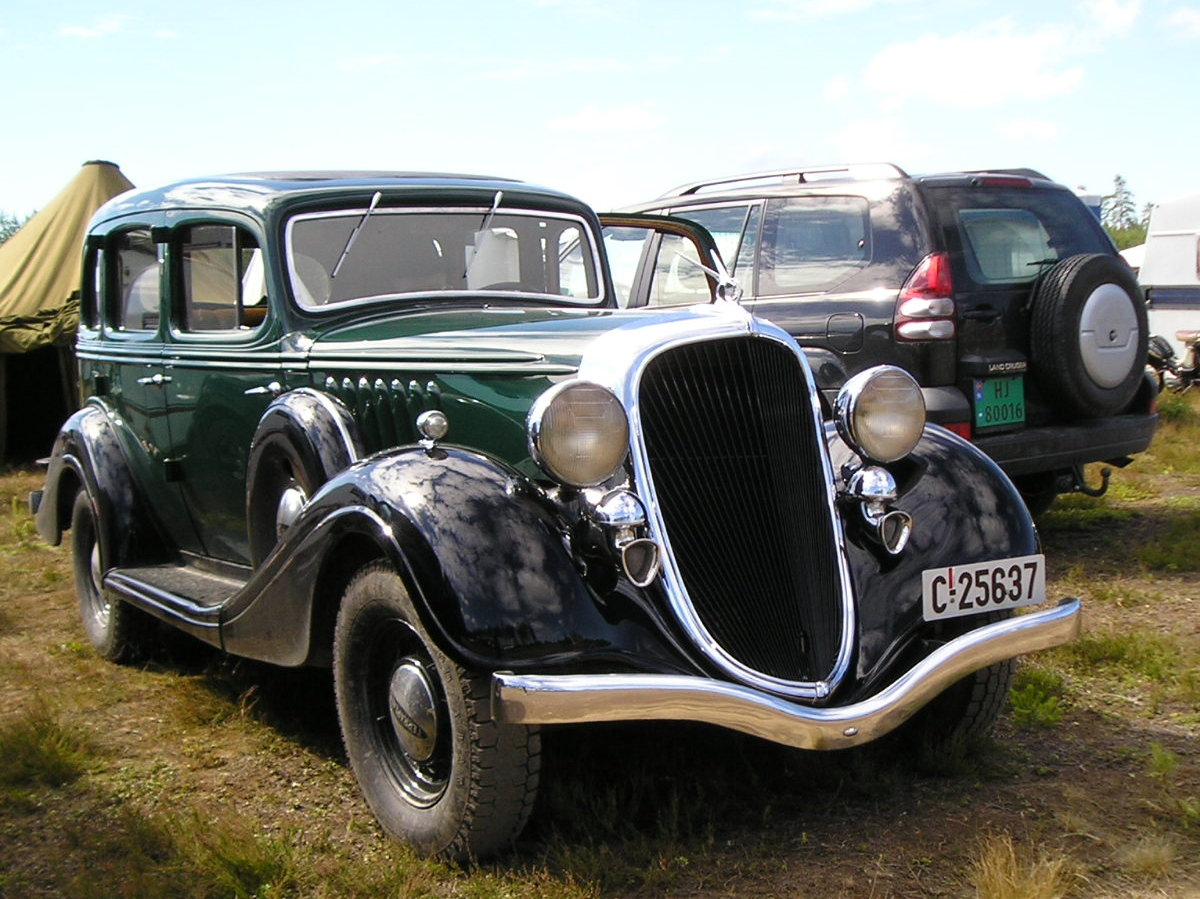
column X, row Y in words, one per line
column 274, row 388
column 157, row 380
column 982, row 314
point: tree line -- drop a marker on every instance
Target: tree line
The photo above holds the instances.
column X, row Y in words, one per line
column 1119, row 215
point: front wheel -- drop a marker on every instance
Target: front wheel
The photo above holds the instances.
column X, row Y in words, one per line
column 435, row 768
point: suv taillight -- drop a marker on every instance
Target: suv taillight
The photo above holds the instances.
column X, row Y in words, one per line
column 925, row 310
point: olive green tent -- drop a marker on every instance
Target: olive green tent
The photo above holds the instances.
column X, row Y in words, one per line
column 40, row 268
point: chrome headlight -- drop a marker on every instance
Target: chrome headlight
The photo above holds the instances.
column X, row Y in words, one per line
column 880, row 412
column 578, row 433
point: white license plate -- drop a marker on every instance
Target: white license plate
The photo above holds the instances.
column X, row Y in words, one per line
column 982, row 587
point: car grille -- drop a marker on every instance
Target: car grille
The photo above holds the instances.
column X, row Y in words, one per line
column 735, row 458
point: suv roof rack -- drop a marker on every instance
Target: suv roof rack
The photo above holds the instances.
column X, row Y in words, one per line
column 855, row 172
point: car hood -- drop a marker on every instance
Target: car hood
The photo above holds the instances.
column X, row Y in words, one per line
column 496, row 339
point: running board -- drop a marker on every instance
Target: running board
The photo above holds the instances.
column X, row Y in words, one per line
column 185, row 598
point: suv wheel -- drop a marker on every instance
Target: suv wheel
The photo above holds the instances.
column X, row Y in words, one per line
column 434, row 766
column 1089, row 337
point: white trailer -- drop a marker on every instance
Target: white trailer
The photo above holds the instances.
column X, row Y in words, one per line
column 1170, row 269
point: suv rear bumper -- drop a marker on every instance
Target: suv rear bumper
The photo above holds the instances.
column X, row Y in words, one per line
column 1059, row 447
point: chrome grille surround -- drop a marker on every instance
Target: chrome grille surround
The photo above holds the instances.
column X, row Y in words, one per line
column 619, row 360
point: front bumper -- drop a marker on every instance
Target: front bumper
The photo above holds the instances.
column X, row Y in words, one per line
column 588, row 698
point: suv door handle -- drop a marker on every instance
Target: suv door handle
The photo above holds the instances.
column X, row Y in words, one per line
column 157, row 380
column 274, row 388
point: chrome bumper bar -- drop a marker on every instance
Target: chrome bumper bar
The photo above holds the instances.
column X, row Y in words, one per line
column 583, row 698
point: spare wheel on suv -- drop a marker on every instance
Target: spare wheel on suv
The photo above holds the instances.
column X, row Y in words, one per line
column 1089, row 335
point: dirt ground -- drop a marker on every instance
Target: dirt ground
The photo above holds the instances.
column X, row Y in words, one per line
column 698, row 812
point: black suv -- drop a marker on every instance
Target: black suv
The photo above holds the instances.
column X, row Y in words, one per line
column 999, row 291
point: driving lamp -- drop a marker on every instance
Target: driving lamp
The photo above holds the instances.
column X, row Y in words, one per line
column 578, row 433
column 880, row 412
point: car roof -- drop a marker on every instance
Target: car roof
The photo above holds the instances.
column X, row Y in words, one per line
column 257, row 192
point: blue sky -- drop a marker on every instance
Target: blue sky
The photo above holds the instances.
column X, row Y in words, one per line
column 615, row 101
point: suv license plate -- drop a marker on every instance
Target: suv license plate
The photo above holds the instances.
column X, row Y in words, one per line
column 982, row 587
column 999, row 401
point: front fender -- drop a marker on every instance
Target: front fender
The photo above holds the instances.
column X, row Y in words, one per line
column 482, row 552
column 88, row 453
column 964, row 509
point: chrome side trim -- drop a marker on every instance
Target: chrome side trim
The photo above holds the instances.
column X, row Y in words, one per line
column 585, row 698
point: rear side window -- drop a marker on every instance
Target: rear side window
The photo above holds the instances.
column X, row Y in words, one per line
column 811, row 244
column 138, row 285
column 1008, row 236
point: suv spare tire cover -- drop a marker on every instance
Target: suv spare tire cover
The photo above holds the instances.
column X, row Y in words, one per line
column 1089, row 335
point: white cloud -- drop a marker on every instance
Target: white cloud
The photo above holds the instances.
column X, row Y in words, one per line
column 624, row 119
column 883, row 139
column 1029, row 130
column 990, row 65
column 1185, row 22
column 798, row 10
column 100, row 28
column 1113, row 16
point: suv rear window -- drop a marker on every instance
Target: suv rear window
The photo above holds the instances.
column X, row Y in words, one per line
column 1007, row 236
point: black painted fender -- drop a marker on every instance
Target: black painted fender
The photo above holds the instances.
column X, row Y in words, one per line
column 88, row 453
column 304, row 437
column 964, row 509
column 482, row 553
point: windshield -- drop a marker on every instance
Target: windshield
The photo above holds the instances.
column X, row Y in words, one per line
column 401, row 252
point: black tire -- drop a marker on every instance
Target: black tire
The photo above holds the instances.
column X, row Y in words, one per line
column 969, row 709
column 435, row 768
column 1088, row 335
column 280, row 475
column 1037, row 490
column 118, row 631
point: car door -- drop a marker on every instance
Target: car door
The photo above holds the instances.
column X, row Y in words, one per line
column 130, row 373
column 663, row 261
column 222, row 366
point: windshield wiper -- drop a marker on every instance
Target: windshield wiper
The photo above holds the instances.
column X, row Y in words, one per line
column 354, row 234
column 487, row 222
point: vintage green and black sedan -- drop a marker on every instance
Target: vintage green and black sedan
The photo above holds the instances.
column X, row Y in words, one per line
column 405, row 426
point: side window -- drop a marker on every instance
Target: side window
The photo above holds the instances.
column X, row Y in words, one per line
column 679, row 278
column 222, row 279
column 138, row 286
column 93, row 288
column 811, row 244
column 624, row 248
column 727, row 225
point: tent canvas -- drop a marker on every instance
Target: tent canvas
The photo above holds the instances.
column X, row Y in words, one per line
column 40, row 264
column 40, row 268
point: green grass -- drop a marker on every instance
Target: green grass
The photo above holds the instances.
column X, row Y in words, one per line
column 1037, row 697
column 38, row 749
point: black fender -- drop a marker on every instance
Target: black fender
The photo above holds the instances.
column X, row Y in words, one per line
column 88, row 454
column 964, row 509
column 302, row 439
column 483, row 553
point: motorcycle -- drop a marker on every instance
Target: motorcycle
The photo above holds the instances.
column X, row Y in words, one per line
column 1172, row 374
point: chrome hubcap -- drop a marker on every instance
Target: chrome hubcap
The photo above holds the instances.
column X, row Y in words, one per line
column 412, row 709
column 291, row 501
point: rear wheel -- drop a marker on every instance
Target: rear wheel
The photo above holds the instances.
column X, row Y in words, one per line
column 118, row 631
column 436, row 769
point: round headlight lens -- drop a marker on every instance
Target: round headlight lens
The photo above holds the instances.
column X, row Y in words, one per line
column 578, row 433
column 881, row 413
